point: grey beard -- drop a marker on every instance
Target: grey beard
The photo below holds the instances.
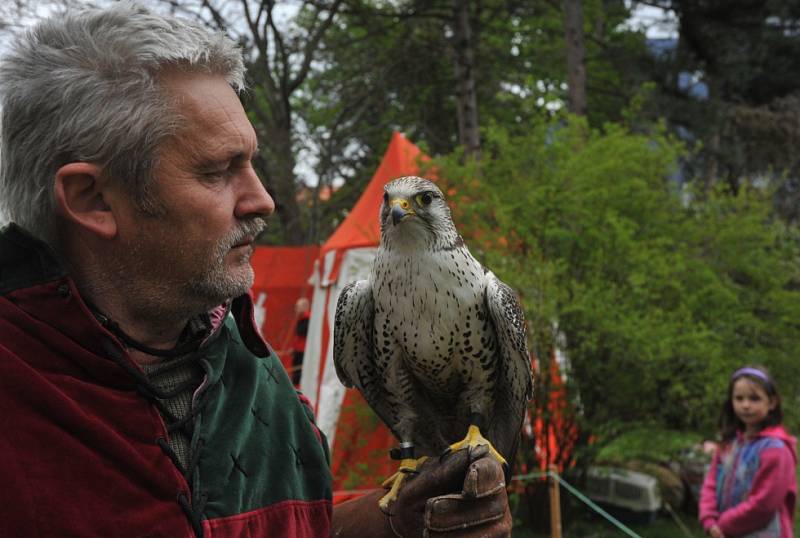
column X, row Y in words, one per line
column 216, row 285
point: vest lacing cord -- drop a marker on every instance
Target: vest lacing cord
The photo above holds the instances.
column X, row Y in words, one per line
column 194, row 509
column 154, row 395
column 186, row 424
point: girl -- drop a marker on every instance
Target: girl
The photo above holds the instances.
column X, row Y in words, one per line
column 750, row 489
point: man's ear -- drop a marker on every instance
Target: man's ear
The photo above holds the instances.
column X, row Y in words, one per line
column 80, row 197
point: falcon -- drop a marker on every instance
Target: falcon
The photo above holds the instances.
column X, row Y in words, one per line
column 435, row 342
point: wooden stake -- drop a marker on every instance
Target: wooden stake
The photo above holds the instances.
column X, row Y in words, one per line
column 555, row 504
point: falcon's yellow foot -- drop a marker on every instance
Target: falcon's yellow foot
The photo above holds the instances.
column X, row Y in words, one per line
column 396, row 480
column 475, row 438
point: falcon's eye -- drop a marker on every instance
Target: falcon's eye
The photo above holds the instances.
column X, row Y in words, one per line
column 424, row 199
column 385, row 197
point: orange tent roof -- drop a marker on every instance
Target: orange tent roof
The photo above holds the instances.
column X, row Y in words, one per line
column 361, row 227
column 283, row 266
column 282, row 273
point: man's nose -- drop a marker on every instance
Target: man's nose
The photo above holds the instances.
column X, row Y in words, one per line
column 253, row 197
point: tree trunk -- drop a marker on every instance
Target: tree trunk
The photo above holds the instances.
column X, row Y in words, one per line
column 576, row 57
column 712, row 164
column 711, row 150
column 280, row 170
column 464, row 59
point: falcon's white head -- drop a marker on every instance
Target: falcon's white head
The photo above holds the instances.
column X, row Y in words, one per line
column 414, row 211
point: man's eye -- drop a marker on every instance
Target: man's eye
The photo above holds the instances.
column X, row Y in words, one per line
column 424, row 199
column 215, row 175
column 220, row 173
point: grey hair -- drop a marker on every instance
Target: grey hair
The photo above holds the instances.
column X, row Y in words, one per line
column 84, row 86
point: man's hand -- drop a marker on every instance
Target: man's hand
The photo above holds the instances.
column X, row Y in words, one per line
column 463, row 495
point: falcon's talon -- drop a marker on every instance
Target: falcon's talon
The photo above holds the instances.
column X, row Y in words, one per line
column 385, row 509
column 386, row 484
column 408, row 471
column 443, row 455
column 473, row 439
column 407, row 467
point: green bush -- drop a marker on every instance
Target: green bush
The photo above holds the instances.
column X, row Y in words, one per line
column 654, row 296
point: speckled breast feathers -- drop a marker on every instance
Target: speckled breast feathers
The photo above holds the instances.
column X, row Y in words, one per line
column 432, row 339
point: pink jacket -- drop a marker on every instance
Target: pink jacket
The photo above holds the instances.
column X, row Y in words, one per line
column 773, row 488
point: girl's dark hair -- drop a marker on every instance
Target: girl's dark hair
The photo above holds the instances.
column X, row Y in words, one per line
column 729, row 423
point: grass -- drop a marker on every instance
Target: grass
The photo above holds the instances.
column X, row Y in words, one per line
column 580, row 521
column 531, row 512
column 663, row 527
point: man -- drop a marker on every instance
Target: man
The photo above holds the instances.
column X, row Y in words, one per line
column 302, row 313
column 137, row 398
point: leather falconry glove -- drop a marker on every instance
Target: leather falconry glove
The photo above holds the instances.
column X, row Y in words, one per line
column 463, row 495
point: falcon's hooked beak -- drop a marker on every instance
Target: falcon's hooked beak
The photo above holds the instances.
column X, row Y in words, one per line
column 401, row 208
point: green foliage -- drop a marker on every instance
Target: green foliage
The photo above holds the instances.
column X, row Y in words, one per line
column 387, row 66
column 649, row 444
column 655, row 296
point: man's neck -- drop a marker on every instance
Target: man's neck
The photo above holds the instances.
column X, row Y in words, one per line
column 157, row 331
column 150, row 313
column 150, row 327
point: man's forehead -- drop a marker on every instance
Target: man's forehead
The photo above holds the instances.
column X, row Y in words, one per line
column 233, row 152
column 211, row 116
column 203, row 93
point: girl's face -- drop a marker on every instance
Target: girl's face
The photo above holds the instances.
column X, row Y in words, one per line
column 751, row 404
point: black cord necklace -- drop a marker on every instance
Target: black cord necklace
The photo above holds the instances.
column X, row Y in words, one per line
column 130, row 342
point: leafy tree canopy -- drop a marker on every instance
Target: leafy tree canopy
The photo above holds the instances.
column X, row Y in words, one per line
column 655, row 296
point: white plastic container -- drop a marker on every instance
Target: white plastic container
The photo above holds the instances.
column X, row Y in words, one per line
column 629, row 495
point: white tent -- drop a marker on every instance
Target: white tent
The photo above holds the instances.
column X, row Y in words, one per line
column 345, row 257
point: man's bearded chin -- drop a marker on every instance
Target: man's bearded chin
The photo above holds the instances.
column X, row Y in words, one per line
column 219, row 281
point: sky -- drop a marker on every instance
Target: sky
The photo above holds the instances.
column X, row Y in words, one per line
column 656, row 22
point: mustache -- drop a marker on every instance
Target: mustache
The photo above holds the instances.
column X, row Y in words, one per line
column 248, row 228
